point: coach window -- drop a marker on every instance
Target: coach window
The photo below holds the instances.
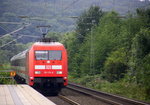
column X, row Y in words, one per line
column 41, row 55
column 55, row 55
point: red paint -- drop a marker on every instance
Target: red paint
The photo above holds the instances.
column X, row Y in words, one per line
column 48, row 72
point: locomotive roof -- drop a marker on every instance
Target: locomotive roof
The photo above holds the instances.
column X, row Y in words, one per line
column 47, row 44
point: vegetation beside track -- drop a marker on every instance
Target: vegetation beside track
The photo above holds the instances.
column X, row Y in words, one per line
column 5, row 77
column 122, row 87
column 111, row 54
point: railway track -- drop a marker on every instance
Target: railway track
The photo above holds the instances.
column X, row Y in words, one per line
column 62, row 100
column 59, row 99
column 105, row 97
column 72, row 102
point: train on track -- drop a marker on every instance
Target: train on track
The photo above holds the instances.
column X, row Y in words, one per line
column 43, row 65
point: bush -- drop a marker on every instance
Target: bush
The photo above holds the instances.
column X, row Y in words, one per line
column 115, row 66
column 144, row 75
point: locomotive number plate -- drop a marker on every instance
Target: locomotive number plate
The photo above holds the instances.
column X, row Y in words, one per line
column 49, row 72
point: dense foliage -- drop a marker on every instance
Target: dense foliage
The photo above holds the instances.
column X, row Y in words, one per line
column 115, row 49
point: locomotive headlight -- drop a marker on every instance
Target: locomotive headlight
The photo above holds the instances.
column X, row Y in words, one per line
column 37, row 72
column 59, row 72
column 65, row 77
column 31, row 78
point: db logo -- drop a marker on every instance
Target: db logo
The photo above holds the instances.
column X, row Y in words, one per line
column 48, row 67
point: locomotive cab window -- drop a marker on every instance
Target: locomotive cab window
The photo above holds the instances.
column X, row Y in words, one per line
column 55, row 55
column 41, row 55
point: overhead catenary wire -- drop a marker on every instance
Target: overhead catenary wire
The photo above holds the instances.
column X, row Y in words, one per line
column 46, row 6
column 13, row 23
column 7, row 29
column 12, row 32
column 17, row 23
column 3, row 28
column 15, row 30
column 70, row 5
column 29, row 36
column 10, row 42
column 58, row 15
column 21, row 35
column 114, row 5
column 4, row 36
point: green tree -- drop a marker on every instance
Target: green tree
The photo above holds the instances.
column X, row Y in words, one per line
column 86, row 21
column 99, row 43
column 144, row 74
column 84, row 25
column 140, row 49
column 69, row 41
column 106, row 38
column 144, row 16
column 115, row 65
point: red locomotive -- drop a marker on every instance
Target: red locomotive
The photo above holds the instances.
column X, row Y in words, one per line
column 43, row 64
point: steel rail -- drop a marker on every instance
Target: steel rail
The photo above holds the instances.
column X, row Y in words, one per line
column 68, row 100
column 106, row 97
column 96, row 97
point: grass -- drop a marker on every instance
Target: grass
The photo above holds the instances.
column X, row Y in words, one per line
column 122, row 88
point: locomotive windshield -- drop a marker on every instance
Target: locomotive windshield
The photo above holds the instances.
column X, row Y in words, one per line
column 48, row 55
column 41, row 55
column 55, row 55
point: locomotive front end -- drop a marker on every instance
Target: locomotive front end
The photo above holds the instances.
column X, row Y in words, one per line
column 50, row 68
